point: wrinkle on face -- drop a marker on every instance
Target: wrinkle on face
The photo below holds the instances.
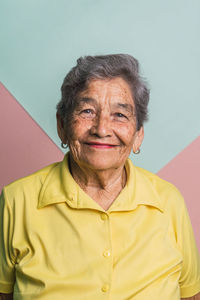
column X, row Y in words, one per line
column 103, row 100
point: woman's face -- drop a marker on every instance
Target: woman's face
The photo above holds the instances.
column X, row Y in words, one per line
column 103, row 126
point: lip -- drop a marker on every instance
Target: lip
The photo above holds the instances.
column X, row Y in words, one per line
column 100, row 145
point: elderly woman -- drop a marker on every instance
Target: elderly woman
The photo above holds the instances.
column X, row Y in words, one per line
column 94, row 226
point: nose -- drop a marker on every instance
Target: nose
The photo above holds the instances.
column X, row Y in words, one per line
column 101, row 126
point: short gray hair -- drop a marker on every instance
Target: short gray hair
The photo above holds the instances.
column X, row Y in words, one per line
column 104, row 67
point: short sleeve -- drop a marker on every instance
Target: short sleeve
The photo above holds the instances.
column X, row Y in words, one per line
column 190, row 275
column 7, row 266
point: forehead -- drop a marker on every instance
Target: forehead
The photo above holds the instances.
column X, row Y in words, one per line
column 113, row 89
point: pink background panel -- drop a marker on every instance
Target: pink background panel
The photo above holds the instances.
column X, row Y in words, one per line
column 184, row 172
column 25, row 147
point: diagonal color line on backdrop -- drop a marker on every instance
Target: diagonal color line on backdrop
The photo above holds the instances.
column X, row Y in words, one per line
column 183, row 171
column 25, row 147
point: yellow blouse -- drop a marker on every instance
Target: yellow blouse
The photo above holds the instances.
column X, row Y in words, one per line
column 58, row 243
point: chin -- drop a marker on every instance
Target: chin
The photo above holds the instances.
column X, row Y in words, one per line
column 103, row 164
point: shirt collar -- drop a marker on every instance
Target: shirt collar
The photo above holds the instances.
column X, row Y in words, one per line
column 59, row 186
column 139, row 190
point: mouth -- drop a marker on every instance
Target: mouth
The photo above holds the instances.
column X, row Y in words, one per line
column 100, row 145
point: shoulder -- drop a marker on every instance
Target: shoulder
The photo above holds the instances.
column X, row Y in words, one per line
column 168, row 195
column 28, row 185
column 157, row 182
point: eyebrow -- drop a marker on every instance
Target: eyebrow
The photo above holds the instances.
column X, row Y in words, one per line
column 86, row 100
column 125, row 106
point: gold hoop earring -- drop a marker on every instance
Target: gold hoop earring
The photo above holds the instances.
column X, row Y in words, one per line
column 64, row 146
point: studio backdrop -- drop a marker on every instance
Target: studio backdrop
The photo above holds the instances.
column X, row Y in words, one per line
column 41, row 40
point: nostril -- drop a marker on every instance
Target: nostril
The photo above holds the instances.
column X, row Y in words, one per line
column 101, row 126
column 100, row 131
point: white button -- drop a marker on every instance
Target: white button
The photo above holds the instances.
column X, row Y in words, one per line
column 105, row 288
column 106, row 253
column 104, row 217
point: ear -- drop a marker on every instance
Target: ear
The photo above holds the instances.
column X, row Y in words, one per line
column 139, row 135
column 60, row 128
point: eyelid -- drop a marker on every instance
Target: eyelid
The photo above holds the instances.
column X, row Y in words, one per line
column 87, row 112
column 87, row 109
column 122, row 114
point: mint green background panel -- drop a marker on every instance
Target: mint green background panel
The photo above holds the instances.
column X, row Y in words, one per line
column 41, row 40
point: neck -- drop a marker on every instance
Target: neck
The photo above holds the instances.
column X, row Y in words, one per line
column 103, row 186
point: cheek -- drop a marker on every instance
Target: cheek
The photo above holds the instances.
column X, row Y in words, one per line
column 78, row 128
column 126, row 134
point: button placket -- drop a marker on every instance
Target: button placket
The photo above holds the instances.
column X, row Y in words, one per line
column 106, row 254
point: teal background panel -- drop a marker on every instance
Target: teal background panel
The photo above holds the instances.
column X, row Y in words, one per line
column 41, row 40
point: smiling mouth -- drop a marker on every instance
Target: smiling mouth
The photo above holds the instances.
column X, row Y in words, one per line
column 100, row 145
